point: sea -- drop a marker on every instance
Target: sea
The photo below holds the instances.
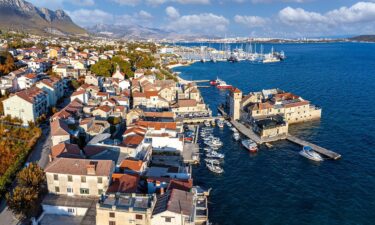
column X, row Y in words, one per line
column 277, row 185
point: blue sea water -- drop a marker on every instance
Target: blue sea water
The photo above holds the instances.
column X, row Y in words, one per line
column 277, row 186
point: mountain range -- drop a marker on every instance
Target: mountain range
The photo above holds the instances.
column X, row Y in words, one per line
column 20, row 15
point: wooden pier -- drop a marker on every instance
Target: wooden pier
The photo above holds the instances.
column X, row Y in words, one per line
column 320, row 150
column 196, row 120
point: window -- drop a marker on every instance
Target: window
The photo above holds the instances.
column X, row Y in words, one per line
column 168, row 219
column 83, row 179
column 84, row 191
column 69, row 190
column 70, row 178
column 57, row 189
column 55, row 176
column 100, row 191
column 100, row 180
column 71, row 210
column 138, row 217
column 112, row 223
column 112, row 214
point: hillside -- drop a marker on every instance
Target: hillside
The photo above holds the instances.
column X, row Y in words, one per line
column 364, row 38
column 19, row 15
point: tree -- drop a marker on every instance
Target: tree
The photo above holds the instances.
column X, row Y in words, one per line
column 7, row 64
column 27, row 195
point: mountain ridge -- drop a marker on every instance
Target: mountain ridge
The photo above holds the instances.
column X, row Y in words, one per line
column 24, row 16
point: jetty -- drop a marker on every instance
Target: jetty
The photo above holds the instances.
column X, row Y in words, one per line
column 196, row 120
column 249, row 133
column 320, row 150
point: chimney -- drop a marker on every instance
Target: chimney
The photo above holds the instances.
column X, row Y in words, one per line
column 91, row 168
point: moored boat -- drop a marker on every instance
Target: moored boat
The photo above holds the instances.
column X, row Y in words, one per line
column 236, row 136
column 250, row 145
column 214, row 168
column 309, row 153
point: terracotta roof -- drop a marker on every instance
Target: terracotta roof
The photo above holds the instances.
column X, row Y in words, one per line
column 104, row 108
column 137, row 94
column 235, row 90
column 66, row 150
column 79, row 167
column 177, row 201
column 131, row 164
column 149, row 94
column 184, row 185
column 31, row 76
column 159, row 114
column 296, row 104
column 136, row 130
column 187, row 103
column 132, row 141
column 157, row 125
column 119, row 108
column 123, row 183
column 59, row 128
column 30, row 93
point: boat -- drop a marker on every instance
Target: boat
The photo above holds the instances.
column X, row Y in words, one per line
column 214, row 154
column 309, row 153
column 236, row 136
column 250, row 145
column 214, row 168
column 213, row 82
column 220, row 124
column 212, row 161
column 213, row 123
column 271, row 57
column 207, row 124
column 224, row 85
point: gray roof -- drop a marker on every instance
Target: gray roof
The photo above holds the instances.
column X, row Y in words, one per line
column 176, row 201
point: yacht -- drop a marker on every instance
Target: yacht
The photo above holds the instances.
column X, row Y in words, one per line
column 250, row 145
column 214, row 168
column 236, row 136
column 309, row 153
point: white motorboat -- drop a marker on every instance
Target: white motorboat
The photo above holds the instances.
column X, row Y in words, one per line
column 309, row 153
column 214, row 154
column 250, row 145
column 214, row 168
column 212, row 161
column 207, row 124
column 236, row 136
column 220, row 124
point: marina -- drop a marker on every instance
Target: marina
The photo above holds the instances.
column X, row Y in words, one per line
column 277, row 175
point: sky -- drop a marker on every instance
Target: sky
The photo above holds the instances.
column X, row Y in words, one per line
column 228, row 18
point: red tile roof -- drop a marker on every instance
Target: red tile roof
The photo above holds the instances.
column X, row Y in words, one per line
column 66, row 150
column 79, row 166
column 124, row 183
column 132, row 141
column 131, row 164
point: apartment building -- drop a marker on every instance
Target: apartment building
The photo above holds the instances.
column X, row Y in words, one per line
column 125, row 209
column 27, row 105
column 79, row 177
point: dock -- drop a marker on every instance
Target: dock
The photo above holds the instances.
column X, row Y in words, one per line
column 249, row 133
column 196, row 120
column 320, row 150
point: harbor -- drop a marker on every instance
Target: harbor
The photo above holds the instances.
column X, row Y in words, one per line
column 277, row 175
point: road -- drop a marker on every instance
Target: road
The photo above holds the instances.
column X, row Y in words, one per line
column 39, row 154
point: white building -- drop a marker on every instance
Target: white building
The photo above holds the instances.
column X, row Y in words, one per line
column 27, row 105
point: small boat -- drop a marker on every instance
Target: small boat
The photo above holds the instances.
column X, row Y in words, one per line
column 214, row 154
column 224, row 85
column 309, row 153
column 212, row 161
column 207, row 124
column 213, row 123
column 250, row 145
column 220, row 124
column 236, row 136
column 214, row 168
column 213, row 82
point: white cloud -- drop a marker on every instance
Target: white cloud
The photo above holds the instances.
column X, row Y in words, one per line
column 144, row 15
column 127, row 2
column 207, row 23
column 58, row 4
column 172, row 12
column 250, row 21
column 358, row 18
column 160, row 2
column 85, row 17
column 269, row 1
